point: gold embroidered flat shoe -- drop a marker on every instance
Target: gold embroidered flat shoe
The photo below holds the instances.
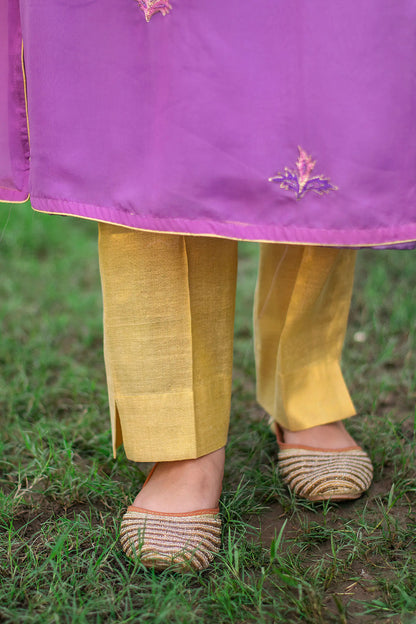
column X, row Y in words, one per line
column 186, row 541
column 320, row 474
column 182, row 540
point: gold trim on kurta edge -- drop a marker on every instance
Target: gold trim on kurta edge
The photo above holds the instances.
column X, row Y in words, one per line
column 8, row 201
column 237, row 238
column 25, row 92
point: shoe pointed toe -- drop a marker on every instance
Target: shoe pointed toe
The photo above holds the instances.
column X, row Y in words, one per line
column 325, row 475
column 183, row 542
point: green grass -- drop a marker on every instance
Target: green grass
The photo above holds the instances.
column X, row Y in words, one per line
column 62, row 494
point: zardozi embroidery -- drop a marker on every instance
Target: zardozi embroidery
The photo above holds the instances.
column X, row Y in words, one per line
column 150, row 7
column 300, row 180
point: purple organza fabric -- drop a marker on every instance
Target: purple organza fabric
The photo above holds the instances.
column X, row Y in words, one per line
column 258, row 120
column 14, row 145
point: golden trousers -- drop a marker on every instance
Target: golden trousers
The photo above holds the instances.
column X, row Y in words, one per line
column 168, row 338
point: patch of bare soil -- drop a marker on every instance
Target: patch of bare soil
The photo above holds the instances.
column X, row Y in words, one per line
column 28, row 519
column 350, row 594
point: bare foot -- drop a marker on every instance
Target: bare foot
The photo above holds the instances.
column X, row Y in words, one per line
column 187, row 485
column 330, row 436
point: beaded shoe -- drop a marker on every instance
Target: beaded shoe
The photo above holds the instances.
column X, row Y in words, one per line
column 321, row 474
column 183, row 541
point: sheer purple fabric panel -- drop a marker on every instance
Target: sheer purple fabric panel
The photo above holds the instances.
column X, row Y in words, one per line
column 14, row 148
column 265, row 120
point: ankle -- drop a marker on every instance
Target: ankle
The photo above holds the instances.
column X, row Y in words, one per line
column 329, row 436
column 185, row 485
column 192, row 469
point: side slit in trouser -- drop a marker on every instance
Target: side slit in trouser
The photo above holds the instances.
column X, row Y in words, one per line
column 168, row 338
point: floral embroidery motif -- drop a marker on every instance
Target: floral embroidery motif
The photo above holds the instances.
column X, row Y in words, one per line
column 300, row 180
column 150, row 7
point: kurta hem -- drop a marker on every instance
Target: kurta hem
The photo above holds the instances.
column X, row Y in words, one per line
column 246, row 232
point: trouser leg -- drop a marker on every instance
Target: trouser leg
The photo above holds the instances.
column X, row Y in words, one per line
column 301, row 310
column 168, row 334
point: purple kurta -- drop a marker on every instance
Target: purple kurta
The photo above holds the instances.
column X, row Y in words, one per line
column 258, row 120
